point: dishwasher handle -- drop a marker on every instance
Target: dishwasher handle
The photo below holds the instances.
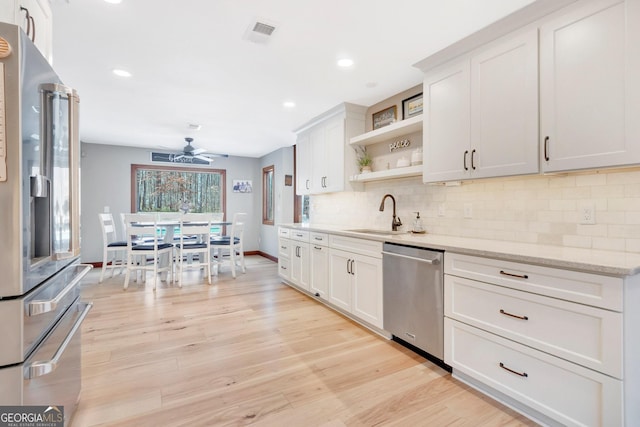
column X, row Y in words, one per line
column 426, row 261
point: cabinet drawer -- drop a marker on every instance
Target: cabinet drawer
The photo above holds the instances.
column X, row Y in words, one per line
column 321, row 239
column 589, row 336
column 284, row 232
column 284, row 248
column 284, row 268
column 585, row 288
column 566, row 392
column 301, row 236
column 359, row 246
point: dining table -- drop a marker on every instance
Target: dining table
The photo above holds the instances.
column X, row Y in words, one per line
column 167, row 229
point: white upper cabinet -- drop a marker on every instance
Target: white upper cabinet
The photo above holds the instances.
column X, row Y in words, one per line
column 303, row 164
column 34, row 16
column 504, row 107
column 447, row 124
column 325, row 160
column 481, row 114
column 589, row 86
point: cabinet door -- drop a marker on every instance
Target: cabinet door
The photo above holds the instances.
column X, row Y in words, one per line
column 319, row 283
column 303, row 164
column 300, row 264
column 340, row 263
column 367, row 289
column 446, row 126
column 333, row 161
column 40, row 25
column 589, row 89
column 504, row 107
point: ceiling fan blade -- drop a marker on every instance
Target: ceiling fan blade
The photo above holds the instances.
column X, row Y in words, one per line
column 197, row 151
column 178, row 157
column 204, row 158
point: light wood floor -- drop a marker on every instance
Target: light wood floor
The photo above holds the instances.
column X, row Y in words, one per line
column 254, row 351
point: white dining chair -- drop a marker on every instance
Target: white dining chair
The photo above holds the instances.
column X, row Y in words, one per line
column 114, row 251
column 143, row 240
column 194, row 240
column 230, row 247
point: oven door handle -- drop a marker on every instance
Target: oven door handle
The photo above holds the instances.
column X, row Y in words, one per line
column 34, row 308
column 38, row 369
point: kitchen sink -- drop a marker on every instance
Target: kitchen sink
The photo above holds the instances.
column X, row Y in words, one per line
column 375, row 231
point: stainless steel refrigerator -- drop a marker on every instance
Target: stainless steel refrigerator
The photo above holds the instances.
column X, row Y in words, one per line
column 40, row 274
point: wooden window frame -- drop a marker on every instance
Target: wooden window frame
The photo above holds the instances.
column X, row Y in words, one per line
column 265, row 207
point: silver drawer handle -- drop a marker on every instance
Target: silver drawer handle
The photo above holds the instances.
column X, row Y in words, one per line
column 522, row 374
column 40, row 307
column 38, row 369
column 426, row 261
column 319, row 248
column 519, row 276
column 513, row 315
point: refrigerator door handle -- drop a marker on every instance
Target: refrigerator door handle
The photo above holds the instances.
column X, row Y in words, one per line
column 38, row 369
column 40, row 307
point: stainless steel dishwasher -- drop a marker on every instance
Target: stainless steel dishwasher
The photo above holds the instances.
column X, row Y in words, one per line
column 413, row 286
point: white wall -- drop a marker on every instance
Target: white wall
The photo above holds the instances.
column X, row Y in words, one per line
column 282, row 160
column 541, row 209
column 106, row 181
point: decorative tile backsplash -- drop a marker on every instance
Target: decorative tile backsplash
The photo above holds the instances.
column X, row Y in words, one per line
column 546, row 209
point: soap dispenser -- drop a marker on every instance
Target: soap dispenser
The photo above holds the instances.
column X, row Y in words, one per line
column 417, row 224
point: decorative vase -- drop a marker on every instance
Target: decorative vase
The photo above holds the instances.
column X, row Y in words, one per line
column 365, row 169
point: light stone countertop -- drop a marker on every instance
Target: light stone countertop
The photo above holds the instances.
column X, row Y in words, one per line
column 588, row 260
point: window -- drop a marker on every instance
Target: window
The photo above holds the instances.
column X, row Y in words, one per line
column 267, row 195
column 170, row 189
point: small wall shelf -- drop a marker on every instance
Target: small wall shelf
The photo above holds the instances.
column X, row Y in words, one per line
column 405, row 172
column 403, row 127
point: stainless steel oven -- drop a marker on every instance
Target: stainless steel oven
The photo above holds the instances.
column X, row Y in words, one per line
column 40, row 308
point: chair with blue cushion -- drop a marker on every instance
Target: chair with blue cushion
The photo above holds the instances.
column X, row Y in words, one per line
column 114, row 251
column 144, row 241
column 195, row 239
column 230, row 246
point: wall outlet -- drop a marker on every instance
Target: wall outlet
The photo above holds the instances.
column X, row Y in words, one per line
column 468, row 210
column 587, row 213
column 107, row 209
column 441, row 209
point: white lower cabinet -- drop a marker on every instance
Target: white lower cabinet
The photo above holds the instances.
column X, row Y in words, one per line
column 319, row 261
column 345, row 272
column 284, row 258
column 565, row 392
column 300, row 268
column 551, row 340
column 355, row 281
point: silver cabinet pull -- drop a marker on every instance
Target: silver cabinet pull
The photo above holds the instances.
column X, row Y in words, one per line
column 519, row 276
column 40, row 307
column 521, row 374
column 513, row 315
column 38, row 369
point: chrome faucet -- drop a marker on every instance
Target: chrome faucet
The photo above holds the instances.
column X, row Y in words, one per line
column 396, row 220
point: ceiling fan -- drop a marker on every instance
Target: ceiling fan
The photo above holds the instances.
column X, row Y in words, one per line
column 190, row 152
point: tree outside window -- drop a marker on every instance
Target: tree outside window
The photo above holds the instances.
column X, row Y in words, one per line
column 170, row 189
column 268, row 174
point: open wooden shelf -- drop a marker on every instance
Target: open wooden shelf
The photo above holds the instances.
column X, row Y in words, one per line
column 403, row 127
column 405, row 172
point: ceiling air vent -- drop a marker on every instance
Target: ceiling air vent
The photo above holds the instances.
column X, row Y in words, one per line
column 259, row 31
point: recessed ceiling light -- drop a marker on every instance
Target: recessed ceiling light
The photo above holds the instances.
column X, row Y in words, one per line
column 121, row 73
column 345, row 62
column 114, row 1
column 289, row 104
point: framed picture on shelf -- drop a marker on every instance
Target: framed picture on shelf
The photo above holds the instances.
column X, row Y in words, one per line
column 385, row 117
column 412, row 106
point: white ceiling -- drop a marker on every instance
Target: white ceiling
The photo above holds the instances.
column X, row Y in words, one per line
column 190, row 63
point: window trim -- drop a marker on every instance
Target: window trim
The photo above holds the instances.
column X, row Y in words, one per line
column 265, row 217
column 136, row 167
